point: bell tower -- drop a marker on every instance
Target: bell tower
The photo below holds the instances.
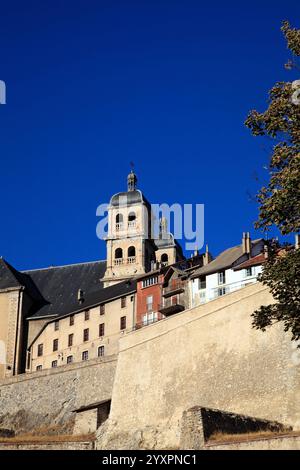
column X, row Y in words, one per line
column 129, row 247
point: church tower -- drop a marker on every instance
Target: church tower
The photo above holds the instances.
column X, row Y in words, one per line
column 168, row 250
column 130, row 249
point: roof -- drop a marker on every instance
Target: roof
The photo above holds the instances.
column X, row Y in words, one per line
column 255, row 261
column 58, row 286
column 91, row 299
column 229, row 258
column 127, row 198
column 173, row 269
column 91, row 406
column 165, row 241
column 9, row 276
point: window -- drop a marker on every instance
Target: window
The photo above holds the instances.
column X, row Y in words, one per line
column 149, row 318
column 70, row 340
column 249, row 272
column 131, row 217
column 150, row 281
column 87, row 315
column 131, row 220
column 202, row 282
column 221, row 277
column 221, row 291
column 131, row 252
column 123, row 323
column 40, row 350
column 85, row 355
column 164, row 258
column 101, row 351
column 39, row 367
column 149, row 302
column 101, row 329
column 86, row 334
column 102, row 309
column 54, row 364
column 119, row 222
column 55, row 344
column 123, row 302
column 118, row 256
column 69, row 359
column 56, row 325
column 71, row 320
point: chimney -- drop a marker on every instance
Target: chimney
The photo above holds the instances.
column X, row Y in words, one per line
column 196, row 251
column 206, row 257
column 246, row 243
column 266, row 251
column 297, row 241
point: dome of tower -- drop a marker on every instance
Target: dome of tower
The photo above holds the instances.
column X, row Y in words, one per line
column 128, row 198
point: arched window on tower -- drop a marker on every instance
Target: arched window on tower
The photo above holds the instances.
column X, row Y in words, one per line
column 164, row 259
column 131, row 255
column 131, row 219
column 118, row 256
column 119, row 222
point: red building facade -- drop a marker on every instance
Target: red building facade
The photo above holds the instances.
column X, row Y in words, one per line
column 149, row 295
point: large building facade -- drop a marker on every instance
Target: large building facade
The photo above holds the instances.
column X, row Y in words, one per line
column 68, row 314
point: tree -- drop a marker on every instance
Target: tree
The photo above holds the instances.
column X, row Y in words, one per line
column 279, row 201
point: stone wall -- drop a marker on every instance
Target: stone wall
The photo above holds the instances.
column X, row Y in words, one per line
column 47, row 398
column 199, row 424
column 209, row 355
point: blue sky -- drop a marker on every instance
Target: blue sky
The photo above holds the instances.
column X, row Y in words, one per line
column 93, row 85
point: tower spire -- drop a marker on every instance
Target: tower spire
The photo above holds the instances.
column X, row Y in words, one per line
column 131, row 179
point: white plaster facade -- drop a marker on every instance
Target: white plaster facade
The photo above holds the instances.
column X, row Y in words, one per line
column 216, row 285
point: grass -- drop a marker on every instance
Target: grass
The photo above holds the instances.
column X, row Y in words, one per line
column 220, row 437
column 29, row 438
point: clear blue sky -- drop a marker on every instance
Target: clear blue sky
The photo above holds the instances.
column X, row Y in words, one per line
column 92, row 85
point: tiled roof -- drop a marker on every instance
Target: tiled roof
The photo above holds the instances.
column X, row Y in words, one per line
column 58, row 286
column 229, row 258
column 9, row 277
column 254, row 261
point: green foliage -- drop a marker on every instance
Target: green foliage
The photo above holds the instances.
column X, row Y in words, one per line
column 279, row 201
column 281, row 275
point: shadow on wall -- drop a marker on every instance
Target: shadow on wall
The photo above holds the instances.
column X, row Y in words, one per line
column 199, row 424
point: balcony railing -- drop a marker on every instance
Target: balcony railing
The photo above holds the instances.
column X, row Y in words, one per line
column 171, row 306
column 119, row 226
column 140, row 325
column 175, row 286
column 131, row 224
column 129, row 260
column 206, row 294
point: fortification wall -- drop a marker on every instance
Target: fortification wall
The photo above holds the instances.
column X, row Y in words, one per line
column 209, row 355
column 47, row 398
